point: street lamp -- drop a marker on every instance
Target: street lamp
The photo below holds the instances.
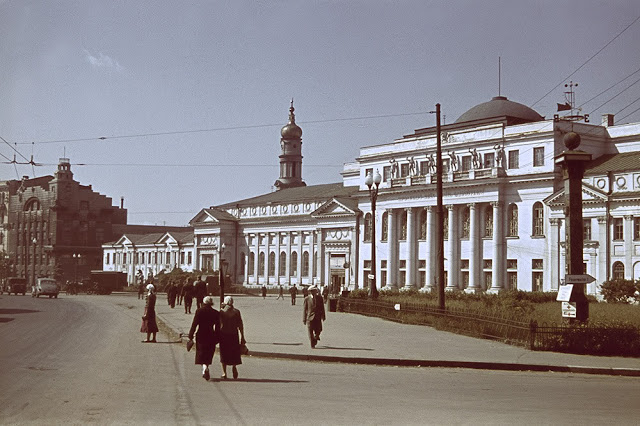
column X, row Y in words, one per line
column 373, row 183
column 76, row 260
column 221, row 272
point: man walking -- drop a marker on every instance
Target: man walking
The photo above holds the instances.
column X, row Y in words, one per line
column 294, row 292
column 313, row 314
column 201, row 292
column 280, row 293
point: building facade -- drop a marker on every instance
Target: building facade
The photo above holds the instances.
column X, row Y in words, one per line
column 504, row 205
column 54, row 226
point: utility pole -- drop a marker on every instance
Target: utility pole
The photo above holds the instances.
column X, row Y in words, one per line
column 439, row 215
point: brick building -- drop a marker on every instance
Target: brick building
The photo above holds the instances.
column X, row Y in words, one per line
column 54, row 226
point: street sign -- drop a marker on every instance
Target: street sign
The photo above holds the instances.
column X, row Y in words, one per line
column 564, row 293
column 578, row 279
column 569, row 309
column 371, row 276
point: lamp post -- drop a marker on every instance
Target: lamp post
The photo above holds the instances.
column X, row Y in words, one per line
column 76, row 260
column 33, row 271
column 221, row 272
column 373, row 183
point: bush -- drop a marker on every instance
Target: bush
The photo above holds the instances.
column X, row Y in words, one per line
column 620, row 291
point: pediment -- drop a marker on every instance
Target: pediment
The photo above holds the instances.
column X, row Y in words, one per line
column 167, row 239
column 124, row 241
column 333, row 207
column 590, row 195
column 204, row 216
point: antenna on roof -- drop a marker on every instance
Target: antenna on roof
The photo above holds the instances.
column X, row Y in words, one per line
column 499, row 76
column 570, row 105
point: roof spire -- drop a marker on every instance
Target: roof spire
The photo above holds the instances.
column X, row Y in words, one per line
column 292, row 116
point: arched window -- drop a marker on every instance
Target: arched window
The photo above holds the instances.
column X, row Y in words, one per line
column 241, row 266
column 618, row 271
column 367, row 227
column 305, row 264
column 513, row 221
column 488, row 221
column 423, row 224
column 403, row 225
column 538, row 219
column 261, row 263
column 283, row 264
column 294, row 264
column 252, row 263
column 32, row 205
column 385, row 227
column 272, row 264
column 466, row 223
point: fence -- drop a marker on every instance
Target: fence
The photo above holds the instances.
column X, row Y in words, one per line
column 583, row 339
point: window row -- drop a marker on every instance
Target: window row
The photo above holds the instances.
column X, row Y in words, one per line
column 282, row 263
column 537, row 225
column 151, row 258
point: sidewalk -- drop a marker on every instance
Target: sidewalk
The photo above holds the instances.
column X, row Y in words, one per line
column 274, row 329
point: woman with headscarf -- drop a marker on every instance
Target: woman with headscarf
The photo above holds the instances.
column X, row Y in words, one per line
column 230, row 326
column 207, row 321
column 149, row 324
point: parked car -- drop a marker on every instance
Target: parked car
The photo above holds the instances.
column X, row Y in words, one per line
column 16, row 285
column 45, row 286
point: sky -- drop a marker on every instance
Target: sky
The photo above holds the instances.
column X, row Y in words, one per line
column 178, row 106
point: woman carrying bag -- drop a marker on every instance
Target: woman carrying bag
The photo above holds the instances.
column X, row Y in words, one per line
column 230, row 346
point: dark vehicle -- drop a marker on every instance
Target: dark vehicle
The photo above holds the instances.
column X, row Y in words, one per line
column 45, row 287
column 16, row 285
column 105, row 282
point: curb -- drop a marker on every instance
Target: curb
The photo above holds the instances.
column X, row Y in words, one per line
column 393, row 362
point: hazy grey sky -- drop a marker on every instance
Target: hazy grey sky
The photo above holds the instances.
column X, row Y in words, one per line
column 117, row 69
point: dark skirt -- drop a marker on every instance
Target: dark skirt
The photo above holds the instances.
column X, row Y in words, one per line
column 204, row 351
column 230, row 349
column 149, row 325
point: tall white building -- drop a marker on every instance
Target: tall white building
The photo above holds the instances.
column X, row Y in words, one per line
column 504, row 210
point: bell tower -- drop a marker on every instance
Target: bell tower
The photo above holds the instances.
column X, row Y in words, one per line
column 290, row 154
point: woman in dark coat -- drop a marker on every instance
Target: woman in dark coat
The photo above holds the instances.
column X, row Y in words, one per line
column 207, row 321
column 230, row 325
column 149, row 324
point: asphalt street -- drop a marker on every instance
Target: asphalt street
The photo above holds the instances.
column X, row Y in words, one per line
column 79, row 360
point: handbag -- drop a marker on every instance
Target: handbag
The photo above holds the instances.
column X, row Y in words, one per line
column 189, row 344
column 244, row 350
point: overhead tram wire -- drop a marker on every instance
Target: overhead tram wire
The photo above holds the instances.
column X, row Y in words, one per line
column 219, row 129
column 615, row 96
column 609, row 88
column 587, row 61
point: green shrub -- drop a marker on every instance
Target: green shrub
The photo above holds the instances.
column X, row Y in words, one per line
column 620, row 291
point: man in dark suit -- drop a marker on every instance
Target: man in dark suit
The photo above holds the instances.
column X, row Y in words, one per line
column 201, row 292
column 313, row 314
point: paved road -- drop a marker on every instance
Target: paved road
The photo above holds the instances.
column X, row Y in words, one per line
column 79, row 360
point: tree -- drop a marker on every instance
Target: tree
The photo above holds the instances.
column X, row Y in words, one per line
column 620, row 291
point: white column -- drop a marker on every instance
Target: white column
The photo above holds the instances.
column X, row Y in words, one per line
column 288, row 267
column 277, row 267
column 430, row 270
column 392, row 244
column 327, row 268
column 628, row 247
column 603, row 247
column 554, row 253
column 321, row 276
column 267, row 247
column 452, row 270
column 312, row 258
column 299, row 265
column 475, row 259
column 412, row 242
column 256, row 260
column 498, row 249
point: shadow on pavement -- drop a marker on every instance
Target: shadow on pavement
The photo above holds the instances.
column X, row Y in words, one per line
column 240, row 379
column 6, row 319
column 17, row 311
column 344, row 349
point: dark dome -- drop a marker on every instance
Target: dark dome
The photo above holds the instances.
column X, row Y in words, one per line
column 500, row 106
column 291, row 131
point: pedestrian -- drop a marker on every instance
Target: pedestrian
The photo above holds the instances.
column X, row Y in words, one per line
column 325, row 293
column 201, row 292
column 141, row 291
column 305, row 291
column 149, row 324
column 179, row 292
column 280, row 292
column 294, row 292
column 313, row 314
column 187, row 292
column 207, row 322
column 172, row 295
column 230, row 326
column 264, row 291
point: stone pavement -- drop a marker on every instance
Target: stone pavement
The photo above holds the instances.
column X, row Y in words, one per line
column 273, row 328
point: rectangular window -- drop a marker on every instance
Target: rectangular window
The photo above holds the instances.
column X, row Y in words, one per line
column 586, row 227
column 487, row 264
column 512, row 280
column 465, row 279
column 404, row 170
column 386, row 173
column 514, row 159
column 464, row 264
column 124, row 258
column 366, row 271
column 512, row 263
column 106, row 261
column 536, row 281
column 189, row 258
column 489, row 160
column 618, row 229
column 466, row 163
column 182, row 258
column 422, row 272
column 424, row 168
column 636, row 228
column 488, row 279
column 538, row 157
column 537, row 264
